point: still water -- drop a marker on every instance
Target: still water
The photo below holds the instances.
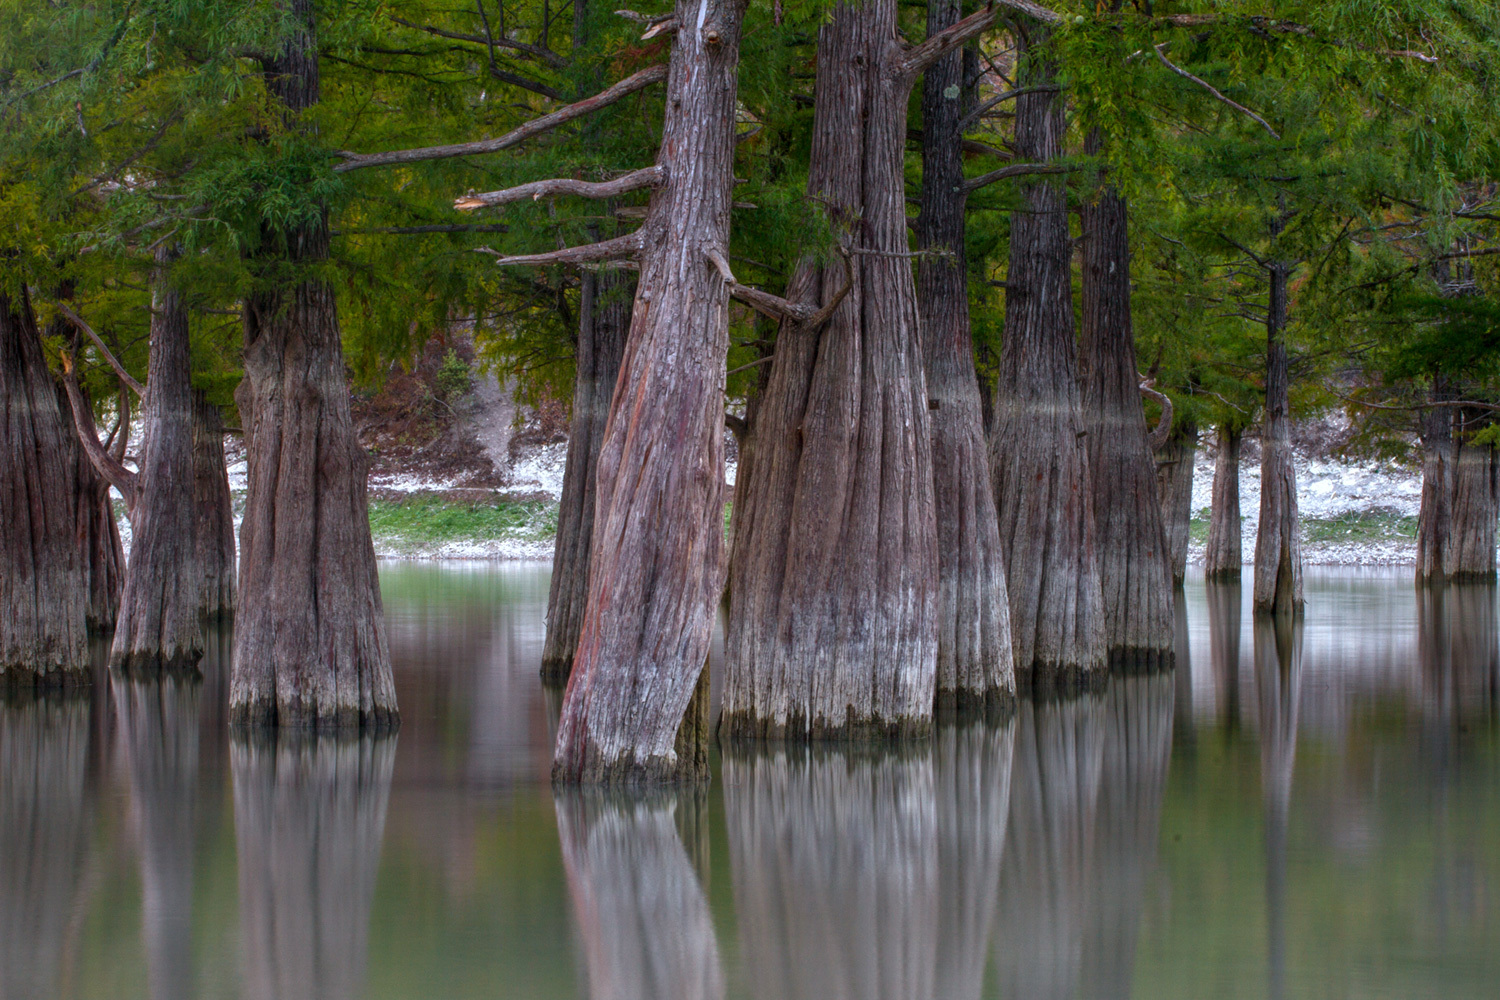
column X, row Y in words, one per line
column 1314, row 813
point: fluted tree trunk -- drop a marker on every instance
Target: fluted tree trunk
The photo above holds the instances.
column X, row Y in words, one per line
column 44, row 572
column 975, row 669
column 214, row 506
column 1222, row 560
column 310, row 642
column 1038, row 457
column 1134, row 575
column 603, row 324
column 1435, row 516
column 1278, row 543
column 1174, row 480
column 1471, row 539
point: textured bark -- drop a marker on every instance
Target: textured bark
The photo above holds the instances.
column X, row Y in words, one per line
column 44, row 577
column 1222, row 559
column 834, row 857
column 158, row 740
column 1134, row 575
column 603, row 323
column 1039, row 458
column 310, row 643
column 1471, row 539
column 642, row 917
column 833, row 614
column 1174, row 480
column 1278, row 544
column 98, row 534
column 1435, row 517
column 656, row 557
column 158, row 627
column 45, row 828
column 309, row 816
column 975, row 671
column 1044, row 881
column 214, row 522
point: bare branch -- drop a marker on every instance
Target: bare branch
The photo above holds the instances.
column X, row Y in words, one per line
column 536, row 51
column 754, row 364
column 114, row 362
column 1014, row 170
column 1161, row 56
column 619, row 248
column 475, row 227
column 109, row 467
column 978, row 113
column 653, row 176
column 1163, row 430
column 636, row 81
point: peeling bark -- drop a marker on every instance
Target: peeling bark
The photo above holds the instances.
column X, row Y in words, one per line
column 656, row 557
column 214, row 521
column 1278, row 544
column 833, row 614
column 1222, row 559
column 975, row 671
column 1134, row 575
column 1038, row 455
column 1174, row 480
column 310, row 644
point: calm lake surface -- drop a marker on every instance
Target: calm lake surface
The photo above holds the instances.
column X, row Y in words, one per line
column 1314, row 813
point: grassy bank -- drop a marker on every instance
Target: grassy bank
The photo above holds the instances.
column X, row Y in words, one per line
column 426, row 523
column 1352, row 528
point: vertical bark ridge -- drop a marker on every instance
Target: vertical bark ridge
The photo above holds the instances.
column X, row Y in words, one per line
column 214, row 506
column 1471, row 541
column 832, row 631
column 1134, row 575
column 1174, row 481
column 656, row 557
column 1038, row 457
column 1223, row 560
column 1435, row 516
column 975, row 671
column 1278, row 545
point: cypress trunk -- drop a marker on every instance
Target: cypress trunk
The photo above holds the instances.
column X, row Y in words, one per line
column 974, row 664
column 603, row 323
column 214, row 523
column 1278, row 545
column 1471, row 540
column 1039, row 458
column 310, row 645
column 158, row 628
column 1134, row 575
column 1174, row 483
column 656, row 557
column 98, row 534
column 643, row 922
column 44, row 570
column 833, row 613
column 1222, row 559
column 1435, row 517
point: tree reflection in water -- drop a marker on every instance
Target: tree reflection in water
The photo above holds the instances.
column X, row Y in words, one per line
column 1278, row 684
column 638, row 905
column 309, row 817
column 46, row 803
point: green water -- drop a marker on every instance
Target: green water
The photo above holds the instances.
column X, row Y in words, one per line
column 1314, row 813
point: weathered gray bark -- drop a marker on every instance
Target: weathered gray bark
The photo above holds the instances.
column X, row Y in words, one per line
column 603, row 323
column 1222, row 559
column 1475, row 506
column 833, row 614
column 1435, row 516
column 834, row 857
column 158, row 626
column 45, row 826
column 158, row 740
column 1044, row 880
column 214, row 523
column 1174, row 480
column 1038, row 454
column 44, row 570
column 309, row 816
column 1278, row 542
column 98, row 534
column 310, row 643
column 656, row 557
column 975, row 671
column 1134, row 575
column 642, row 918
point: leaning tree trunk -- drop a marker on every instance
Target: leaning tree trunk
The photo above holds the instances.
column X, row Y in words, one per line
column 1222, row 559
column 1278, row 544
column 1471, row 541
column 1134, row 576
column 44, row 582
column 158, row 627
column 1174, row 482
column 310, row 644
column 1038, row 456
column 214, row 528
column 833, row 613
column 98, row 537
column 1435, row 517
column 974, row 665
column 603, row 323
column 656, row 561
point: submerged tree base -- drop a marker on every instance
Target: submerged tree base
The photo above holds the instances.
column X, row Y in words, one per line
column 995, row 705
column 296, row 713
column 182, row 663
column 747, row 727
column 1135, row 661
column 1049, row 681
